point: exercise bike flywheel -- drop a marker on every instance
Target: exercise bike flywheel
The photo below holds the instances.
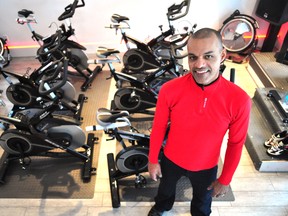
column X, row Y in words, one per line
column 133, row 159
column 21, row 94
column 14, row 143
column 136, row 60
column 239, row 33
column 133, row 99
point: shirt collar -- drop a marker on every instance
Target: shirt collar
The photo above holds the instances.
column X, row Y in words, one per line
column 210, row 84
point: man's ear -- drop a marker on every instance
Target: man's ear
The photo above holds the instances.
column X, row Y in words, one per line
column 223, row 55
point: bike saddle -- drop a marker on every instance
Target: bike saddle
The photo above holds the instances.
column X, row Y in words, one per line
column 105, row 116
column 103, row 52
column 116, row 18
column 25, row 13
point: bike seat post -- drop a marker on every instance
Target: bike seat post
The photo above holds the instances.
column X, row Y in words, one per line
column 112, row 70
column 125, row 38
column 2, row 103
column 68, row 22
column 30, row 27
column 119, row 138
column 34, row 34
column 111, row 67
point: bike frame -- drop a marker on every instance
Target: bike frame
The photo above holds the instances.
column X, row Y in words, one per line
column 152, row 45
column 5, row 56
column 143, row 89
column 33, row 80
column 174, row 13
column 171, row 68
column 112, row 129
column 131, row 160
column 78, row 59
column 157, row 51
column 28, row 129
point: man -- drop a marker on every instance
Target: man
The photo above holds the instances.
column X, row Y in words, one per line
column 201, row 107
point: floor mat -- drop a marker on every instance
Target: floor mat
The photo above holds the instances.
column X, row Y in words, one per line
column 47, row 177
column 128, row 192
column 59, row 177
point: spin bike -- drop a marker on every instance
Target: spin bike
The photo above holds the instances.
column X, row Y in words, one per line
column 5, row 56
column 38, row 132
column 157, row 51
column 131, row 160
column 239, row 36
column 23, row 90
column 140, row 92
column 78, row 59
column 5, row 59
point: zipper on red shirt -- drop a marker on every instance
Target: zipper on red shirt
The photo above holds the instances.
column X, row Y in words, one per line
column 203, row 105
column 205, row 102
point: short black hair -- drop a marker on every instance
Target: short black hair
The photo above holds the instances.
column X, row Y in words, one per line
column 206, row 33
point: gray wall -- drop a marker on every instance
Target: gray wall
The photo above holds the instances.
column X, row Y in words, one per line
column 90, row 21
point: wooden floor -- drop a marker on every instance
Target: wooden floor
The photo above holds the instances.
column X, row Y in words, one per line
column 256, row 194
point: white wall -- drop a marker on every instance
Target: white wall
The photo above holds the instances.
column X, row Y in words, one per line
column 90, row 21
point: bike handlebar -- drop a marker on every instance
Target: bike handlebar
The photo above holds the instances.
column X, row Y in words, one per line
column 174, row 46
column 177, row 9
column 180, row 38
column 70, row 10
column 117, row 26
column 52, row 45
column 46, row 78
column 22, row 21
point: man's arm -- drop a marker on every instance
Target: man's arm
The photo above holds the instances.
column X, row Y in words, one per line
column 159, row 128
column 236, row 140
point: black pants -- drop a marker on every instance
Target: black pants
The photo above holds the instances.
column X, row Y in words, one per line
column 200, row 180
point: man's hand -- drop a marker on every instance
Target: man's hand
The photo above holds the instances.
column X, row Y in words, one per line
column 219, row 190
column 154, row 171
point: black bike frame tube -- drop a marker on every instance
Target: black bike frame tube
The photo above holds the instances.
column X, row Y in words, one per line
column 161, row 37
column 139, row 44
column 158, row 72
column 119, row 138
column 72, row 44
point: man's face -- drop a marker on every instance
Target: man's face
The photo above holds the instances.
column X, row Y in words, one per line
column 204, row 58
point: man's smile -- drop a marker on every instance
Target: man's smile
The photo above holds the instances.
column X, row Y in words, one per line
column 201, row 71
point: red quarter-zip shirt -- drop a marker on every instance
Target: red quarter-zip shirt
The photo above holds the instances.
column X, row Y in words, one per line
column 199, row 118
